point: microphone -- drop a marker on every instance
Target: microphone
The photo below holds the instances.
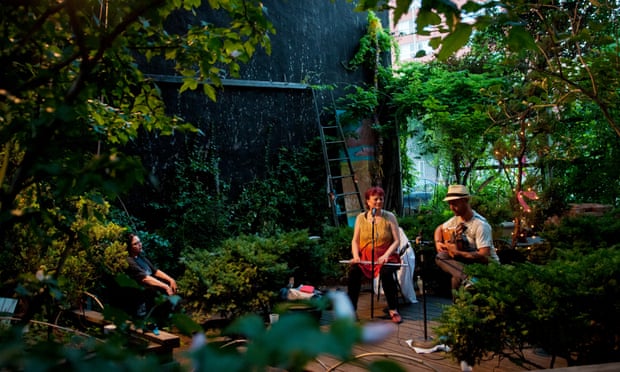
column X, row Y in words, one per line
column 374, row 211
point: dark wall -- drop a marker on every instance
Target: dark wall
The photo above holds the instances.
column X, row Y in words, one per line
column 314, row 40
column 247, row 125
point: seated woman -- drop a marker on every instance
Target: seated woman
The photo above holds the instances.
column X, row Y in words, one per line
column 144, row 272
column 386, row 243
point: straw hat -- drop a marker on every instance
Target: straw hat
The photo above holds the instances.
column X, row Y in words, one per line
column 456, row 192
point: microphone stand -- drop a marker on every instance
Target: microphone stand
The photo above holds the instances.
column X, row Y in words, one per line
column 424, row 295
column 425, row 342
column 372, row 265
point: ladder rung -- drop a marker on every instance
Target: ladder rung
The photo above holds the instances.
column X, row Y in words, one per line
column 346, row 194
column 350, row 211
column 329, row 142
column 343, row 176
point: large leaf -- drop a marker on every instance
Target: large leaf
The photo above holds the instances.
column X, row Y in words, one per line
column 519, row 38
column 455, row 41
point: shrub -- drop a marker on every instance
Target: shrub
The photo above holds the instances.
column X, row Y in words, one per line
column 78, row 252
column 286, row 198
column 336, row 244
column 568, row 307
column 245, row 274
column 584, row 233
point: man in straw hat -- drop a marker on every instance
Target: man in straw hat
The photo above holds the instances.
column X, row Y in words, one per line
column 464, row 238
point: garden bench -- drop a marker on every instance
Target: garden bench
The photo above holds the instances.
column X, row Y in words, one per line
column 162, row 344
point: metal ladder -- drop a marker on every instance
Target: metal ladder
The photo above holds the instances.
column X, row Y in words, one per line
column 335, row 154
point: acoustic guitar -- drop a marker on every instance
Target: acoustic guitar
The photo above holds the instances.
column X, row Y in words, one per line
column 451, row 236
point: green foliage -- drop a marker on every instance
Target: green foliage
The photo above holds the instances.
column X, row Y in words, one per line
column 289, row 197
column 493, row 203
column 103, row 250
column 582, row 156
column 424, row 222
column 245, row 274
column 360, row 104
column 375, row 41
column 572, row 46
column 336, row 245
column 63, row 117
column 289, row 344
column 77, row 253
column 568, row 307
column 584, row 233
column 449, row 112
column 195, row 215
column 580, row 233
column 28, row 348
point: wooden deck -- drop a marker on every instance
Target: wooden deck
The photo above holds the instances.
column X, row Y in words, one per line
column 419, row 333
column 414, row 331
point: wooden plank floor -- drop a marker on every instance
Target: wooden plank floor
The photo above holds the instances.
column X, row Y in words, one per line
column 421, row 334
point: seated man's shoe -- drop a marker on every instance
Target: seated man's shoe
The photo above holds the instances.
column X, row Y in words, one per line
column 153, row 328
column 469, row 283
column 465, row 367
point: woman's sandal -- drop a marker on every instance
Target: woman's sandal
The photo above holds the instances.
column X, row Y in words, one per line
column 396, row 318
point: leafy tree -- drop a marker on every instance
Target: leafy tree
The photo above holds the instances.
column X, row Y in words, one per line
column 449, row 111
column 532, row 109
column 549, row 98
column 73, row 96
column 580, row 157
column 571, row 46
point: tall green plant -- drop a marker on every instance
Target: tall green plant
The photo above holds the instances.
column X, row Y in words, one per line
column 196, row 213
column 290, row 196
column 336, row 244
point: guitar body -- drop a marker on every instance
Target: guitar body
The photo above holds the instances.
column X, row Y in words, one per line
column 450, row 236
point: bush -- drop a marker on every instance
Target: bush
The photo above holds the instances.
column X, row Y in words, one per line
column 286, row 198
column 584, row 233
column 245, row 274
column 336, row 244
column 581, row 233
column 424, row 222
column 568, row 307
column 77, row 253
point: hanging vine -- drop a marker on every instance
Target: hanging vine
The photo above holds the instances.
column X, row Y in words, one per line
column 373, row 45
